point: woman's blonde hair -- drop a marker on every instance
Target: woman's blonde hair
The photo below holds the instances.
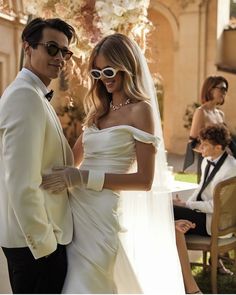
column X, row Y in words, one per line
column 122, row 54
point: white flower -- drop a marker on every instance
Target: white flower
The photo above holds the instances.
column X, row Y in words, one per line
column 118, row 10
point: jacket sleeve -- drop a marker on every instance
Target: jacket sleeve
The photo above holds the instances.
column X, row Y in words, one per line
column 23, row 133
column 203, row 206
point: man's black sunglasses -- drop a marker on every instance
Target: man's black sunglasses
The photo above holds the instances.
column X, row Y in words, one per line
column 53, row 49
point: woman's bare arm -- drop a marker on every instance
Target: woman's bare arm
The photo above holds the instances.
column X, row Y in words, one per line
column 198, row 123
column 142, row 119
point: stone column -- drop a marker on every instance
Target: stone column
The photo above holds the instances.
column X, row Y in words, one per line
column 189, row 70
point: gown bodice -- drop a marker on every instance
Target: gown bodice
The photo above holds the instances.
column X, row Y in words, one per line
column 113, row 149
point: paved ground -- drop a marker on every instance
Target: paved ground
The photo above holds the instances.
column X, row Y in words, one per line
column 177, row 162
column 173, row 160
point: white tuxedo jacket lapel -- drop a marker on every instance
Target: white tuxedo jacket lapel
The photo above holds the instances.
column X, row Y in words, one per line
column 51, row 111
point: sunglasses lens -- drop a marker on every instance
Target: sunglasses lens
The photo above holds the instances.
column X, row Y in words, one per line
column 222, row 89
column 95, row 74
column 52, row 49
column 66, row 54
column 109, row 73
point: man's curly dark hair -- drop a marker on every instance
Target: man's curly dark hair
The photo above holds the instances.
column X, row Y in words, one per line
column 216, row 134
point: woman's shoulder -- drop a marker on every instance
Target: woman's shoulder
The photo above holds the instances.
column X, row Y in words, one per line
column 142, row 116
column 200, row 109
column 143, row 107
column 199, row 112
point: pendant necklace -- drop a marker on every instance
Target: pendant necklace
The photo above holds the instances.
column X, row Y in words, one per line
column 118, row 106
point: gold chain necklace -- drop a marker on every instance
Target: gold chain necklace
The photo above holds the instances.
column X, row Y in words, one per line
column 118, row 106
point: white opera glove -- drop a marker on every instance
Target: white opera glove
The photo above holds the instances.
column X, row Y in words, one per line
column 65, row 177
column 62, row 178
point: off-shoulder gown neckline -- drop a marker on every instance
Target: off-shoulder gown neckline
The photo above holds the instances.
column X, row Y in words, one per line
column 119, row 126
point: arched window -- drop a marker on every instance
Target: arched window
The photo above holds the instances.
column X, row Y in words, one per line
column 232, row 14
column 226, row 35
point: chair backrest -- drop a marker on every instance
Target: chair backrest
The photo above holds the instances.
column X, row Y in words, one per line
column 224, row 216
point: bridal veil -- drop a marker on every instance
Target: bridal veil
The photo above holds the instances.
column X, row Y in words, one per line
column 147, row 221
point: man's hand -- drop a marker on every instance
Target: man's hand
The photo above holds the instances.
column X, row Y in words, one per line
column 178, row 202
column 183, row 225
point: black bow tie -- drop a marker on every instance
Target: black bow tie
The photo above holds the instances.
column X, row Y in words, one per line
column 49, row 95
column 211, row 163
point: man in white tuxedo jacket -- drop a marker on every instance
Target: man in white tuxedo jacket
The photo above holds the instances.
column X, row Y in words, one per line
column 35, row 226
column 217, row 166
column 214, row 140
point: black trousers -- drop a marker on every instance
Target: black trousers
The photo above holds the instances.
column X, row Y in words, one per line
column 30, row 276
column 198, row 218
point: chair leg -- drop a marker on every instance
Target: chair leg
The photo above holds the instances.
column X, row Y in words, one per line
column 204, row 254
column 214, row 262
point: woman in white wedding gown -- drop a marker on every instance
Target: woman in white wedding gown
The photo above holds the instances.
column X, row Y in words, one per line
column 115, row 153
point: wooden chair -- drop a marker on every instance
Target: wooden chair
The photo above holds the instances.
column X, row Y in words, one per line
column 223, row 223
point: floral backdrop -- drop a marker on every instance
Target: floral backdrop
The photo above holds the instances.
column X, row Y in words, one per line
column 92, row 21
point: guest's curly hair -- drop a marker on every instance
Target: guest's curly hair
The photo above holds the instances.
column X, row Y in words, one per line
column 216, row 134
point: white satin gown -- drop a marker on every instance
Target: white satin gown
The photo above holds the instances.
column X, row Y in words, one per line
column 99, row 261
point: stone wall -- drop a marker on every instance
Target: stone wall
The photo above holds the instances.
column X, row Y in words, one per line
column 184, row 49
column 9, row 51
column 12, row 21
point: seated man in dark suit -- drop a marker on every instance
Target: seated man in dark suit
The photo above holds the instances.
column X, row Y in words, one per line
column 217, row 165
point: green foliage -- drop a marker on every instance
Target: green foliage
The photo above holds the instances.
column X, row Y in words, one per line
column 186, row 177
column 188, row 115
column 226, row 283
column 75, row 113
column 158, row 84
